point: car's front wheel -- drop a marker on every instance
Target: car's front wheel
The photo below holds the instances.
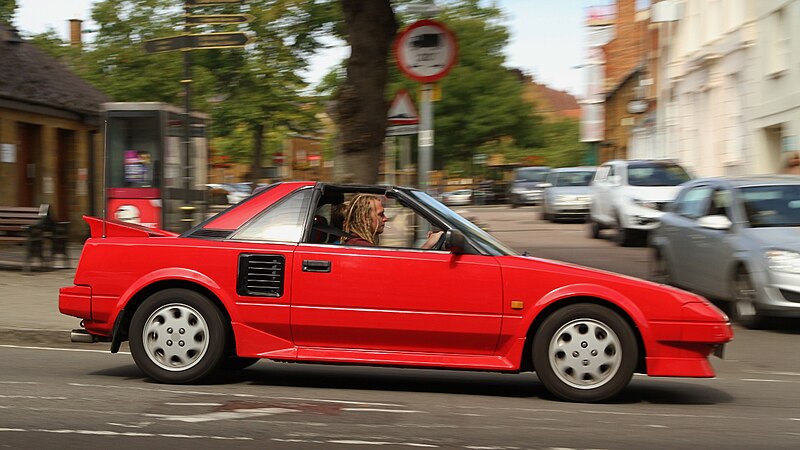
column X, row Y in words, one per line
column 178, row 336
column 744, row 309
column 584, row 353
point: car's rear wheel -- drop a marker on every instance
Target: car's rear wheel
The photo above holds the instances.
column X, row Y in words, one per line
column 594, row 228
column 660, row 269
column 178, row 336
column 744, row 309
column 584, row 353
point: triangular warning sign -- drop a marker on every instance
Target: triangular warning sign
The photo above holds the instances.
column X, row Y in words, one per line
column 402, row 111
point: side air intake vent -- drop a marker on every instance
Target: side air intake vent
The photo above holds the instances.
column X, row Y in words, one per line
column 260, row 275
column 204, row 233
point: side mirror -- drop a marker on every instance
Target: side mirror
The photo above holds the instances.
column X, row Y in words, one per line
column 614, row 179
column 544, row 185
column 715, row 222
column 454, row 242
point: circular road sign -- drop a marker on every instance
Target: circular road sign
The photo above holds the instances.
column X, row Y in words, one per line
column 425, row 51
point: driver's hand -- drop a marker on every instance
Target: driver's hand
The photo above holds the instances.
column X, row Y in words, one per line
column 433, row 238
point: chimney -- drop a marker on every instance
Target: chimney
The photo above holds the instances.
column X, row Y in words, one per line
column 75, row 32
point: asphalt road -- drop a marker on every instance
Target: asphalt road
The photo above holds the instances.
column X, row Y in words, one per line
column 81, row 396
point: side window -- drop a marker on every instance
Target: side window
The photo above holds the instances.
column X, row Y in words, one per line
column 720, row 204
column 283, row 222
column 552, row 177
column 406, row 228
column 693, row 203
column 602, row 173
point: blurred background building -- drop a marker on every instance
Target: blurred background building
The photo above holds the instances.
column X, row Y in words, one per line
column 714, row 84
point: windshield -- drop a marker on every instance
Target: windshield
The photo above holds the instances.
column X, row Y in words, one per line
column 533, row 175
column 484, row 240
column 574, row 178
column 656, row 174
column 772, row 206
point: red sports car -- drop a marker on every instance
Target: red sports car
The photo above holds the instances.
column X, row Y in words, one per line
column 270, row 278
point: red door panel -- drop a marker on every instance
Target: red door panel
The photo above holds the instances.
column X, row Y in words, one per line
column 395, row 300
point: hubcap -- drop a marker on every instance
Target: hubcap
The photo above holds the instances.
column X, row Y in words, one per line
column 585, row 353
column 175, row 337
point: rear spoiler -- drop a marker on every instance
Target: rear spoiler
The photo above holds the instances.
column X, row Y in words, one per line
column 115, row 228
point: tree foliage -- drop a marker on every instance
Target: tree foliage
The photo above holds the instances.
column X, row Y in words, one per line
column 481, row 106
column 7, row 8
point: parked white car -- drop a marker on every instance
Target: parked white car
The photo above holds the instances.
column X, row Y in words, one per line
column 630, row 195
column 460, row 197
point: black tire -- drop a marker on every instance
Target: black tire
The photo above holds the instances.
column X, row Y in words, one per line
column 585, row 353
column 594, row 228
column 178, row 336
column 660, row 269
column 625, row 237
column 743, row 308
column 237, row 363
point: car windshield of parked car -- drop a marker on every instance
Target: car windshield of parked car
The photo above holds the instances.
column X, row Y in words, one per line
column 574, row 178
column 531, row 175
column 772, row 206
column 656, row 174
column 486, row 241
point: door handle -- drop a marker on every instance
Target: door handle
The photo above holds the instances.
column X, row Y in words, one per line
column 311, row 265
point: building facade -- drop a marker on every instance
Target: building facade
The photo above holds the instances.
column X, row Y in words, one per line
column 50, row 137
column 732, row 91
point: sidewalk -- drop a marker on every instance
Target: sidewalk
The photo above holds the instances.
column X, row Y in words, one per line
column 29, row 312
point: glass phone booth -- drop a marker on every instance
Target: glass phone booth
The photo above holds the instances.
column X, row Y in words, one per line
column 146, row 165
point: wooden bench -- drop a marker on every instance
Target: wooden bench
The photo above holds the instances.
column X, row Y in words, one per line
column 31, row 226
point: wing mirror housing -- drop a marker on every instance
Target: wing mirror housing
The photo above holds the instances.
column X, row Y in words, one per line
column 455, row 242
column 544, row 185
column 715, row 222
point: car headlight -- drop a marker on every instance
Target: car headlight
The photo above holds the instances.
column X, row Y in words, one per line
column 645, row 203
column 517, row 190
column 783, row 261
column 565, row 198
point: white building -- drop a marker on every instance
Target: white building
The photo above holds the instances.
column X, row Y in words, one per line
column 731, row 97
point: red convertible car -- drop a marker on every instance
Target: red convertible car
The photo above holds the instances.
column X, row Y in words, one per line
column 269, row 278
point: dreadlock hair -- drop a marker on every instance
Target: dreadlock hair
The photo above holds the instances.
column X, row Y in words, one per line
column 358, row 218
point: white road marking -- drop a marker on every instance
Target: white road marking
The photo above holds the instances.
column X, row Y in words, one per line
column 343, row 402
column 192, row 404
column 84, row 350
column 382, row 410
column 170, row 391
column 129, row 425
column 762, row 372
column 127, row 434
column 33, row 397
column 766, row 380
column 18, row 382
column 223, row 415
column 357, row 442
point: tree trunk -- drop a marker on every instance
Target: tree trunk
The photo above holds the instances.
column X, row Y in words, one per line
column 258, row 147
column 361, row 106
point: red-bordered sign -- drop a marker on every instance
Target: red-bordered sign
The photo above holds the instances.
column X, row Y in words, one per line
column 425, row 51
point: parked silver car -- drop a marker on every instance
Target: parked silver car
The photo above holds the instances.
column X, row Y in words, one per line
column 567, row 193
column 735, row 239
column 459, row 197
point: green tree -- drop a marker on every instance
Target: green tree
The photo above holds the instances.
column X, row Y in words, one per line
column 7, row 9
column 481, row 107
column 257, row 86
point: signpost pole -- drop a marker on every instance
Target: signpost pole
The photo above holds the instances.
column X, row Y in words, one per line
column 187, row 208
column 425, row 142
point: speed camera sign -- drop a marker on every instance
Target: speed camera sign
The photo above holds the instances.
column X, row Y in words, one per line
column 425, row 51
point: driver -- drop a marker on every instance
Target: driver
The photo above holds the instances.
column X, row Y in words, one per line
column 364, row 220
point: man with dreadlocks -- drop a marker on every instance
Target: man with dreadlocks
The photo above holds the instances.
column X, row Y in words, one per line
column 364, row 219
